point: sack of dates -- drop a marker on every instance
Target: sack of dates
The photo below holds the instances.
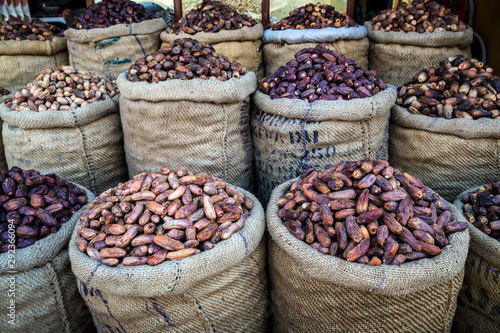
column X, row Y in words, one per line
column 313, row 117
column 359, row 246
column 237, row 36
column 188, row 110
column 4, row 94
column 479, row 298
column 434, row 33
column 28, row 46
column 445, row 126
column 298, row 31
column 37, row 217
column 73, row 131
column 141, row 269
column 110, row 35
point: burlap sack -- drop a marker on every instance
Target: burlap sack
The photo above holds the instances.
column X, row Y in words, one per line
column 291, row 136
column 479, row 299
column 314, row 292
column 451, row 154
column 221, row 290
column 22, row 61
column 83, row 145
column 3, row 161
column 281, row 46
column 397, row 56
column 43, row 286
column 110, row 51
column 243, row 45
column 199, row 124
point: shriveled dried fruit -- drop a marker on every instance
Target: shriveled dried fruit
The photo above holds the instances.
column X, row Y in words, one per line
column 158, row 216
column 17, row 28
column 415, row 227
column 321, row 74
column 4, row 92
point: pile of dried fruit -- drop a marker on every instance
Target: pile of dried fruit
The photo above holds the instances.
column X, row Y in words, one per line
column 185, row 59
column 28, row 29
column 458, row 88
column 419, row 16
column 111, row 12
column 313, row 16
column 157, row 216
column 321, row 73
column 34, row 206
column 63, row 89
column 367, row 212
column 482, row 208
column 211, row 16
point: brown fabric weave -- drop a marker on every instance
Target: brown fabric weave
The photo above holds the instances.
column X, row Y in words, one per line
column 3, row 161
column 478, row 308
column 46, row 294
column 220, row 290
column 314, row 292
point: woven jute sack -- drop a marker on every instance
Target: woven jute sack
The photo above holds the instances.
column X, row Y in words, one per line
column 202, row 125
column 21, row 61
column 83, row 145
column 451, row 154
column 110, row 51
column 220, row 290
column 39, row 280
column 397, row 56
column 315, row 292
column 479, row 299
column 291, row 136
column 281, row 46
column 3, row 161
column 243, row 45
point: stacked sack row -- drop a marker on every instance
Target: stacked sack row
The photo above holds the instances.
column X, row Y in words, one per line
column 319, row 114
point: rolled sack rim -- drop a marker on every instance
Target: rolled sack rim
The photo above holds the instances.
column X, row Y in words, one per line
column 179, row 275
column 239, row 35
column 480, row 243
column 460, row 39
column 72, row 118
column 33, row 47
column 358, row 109
column 194, row 90
column 460, row 127
column 384, row 279
column 324, row 35
column 44, row 250
column 115, row 31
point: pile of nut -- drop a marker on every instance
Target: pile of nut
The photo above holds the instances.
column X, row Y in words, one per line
column 28, row 29
column 313, row 16
column 367, row 212
column 420, row 16
column 62, row 89
column 156, row 216
column 34, row 206
column 4, row 92
column 167, row 15
column 111, row 12
column 211, row 16
column 185, row 59
column 321, row 73
column 482, row 209
column 458, row 88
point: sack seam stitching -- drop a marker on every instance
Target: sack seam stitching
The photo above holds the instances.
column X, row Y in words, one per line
column 224, row 146
column 58, row 296
column 202, row 312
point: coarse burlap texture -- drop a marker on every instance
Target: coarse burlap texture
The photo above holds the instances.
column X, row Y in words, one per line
column 3, row 161
column 22, row 61
column 110, row 51
column 478, row 308
column 220, row 290
column 84, row 145
column 397, row 56
column 243, row 45
column 202, row 125
column 314, row 292
column 281, row 46
column 451, row 155
column 291, row 136
column 46, row 294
